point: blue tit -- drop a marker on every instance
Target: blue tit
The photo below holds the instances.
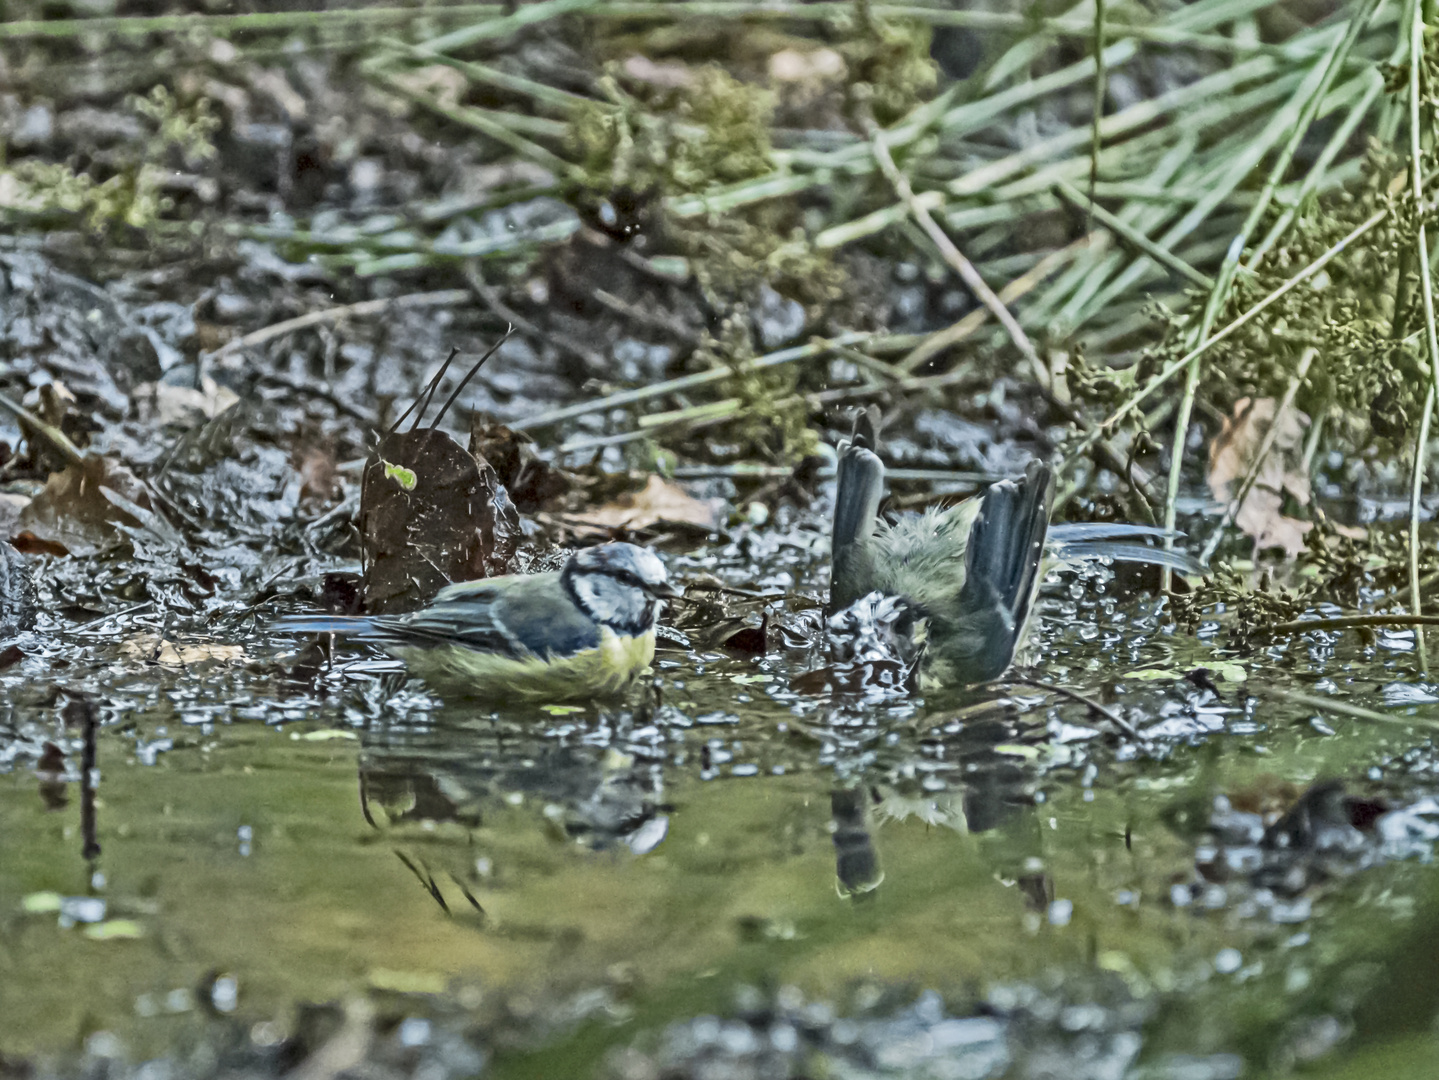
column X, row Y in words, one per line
column 583, row 631
column 969, row 573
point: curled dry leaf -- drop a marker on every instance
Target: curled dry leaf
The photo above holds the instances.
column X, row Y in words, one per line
column 17, row 592
column 81, row 506
column 659, row 502
column 531, row 481
column 157, row 650
column 186, row 407
column 430, row 514
column 1232, row 455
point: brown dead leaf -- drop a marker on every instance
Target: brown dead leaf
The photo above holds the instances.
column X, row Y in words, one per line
column 531, row 481
column 156, row 650
column 430, row 514
column 317, row 468
column 187, row 407
column 80, row 506
column 807, row 66
column 1231, row 456
column 667, row 76
column 659, row 502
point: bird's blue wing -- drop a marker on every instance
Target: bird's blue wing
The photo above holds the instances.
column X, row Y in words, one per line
column 518, row 617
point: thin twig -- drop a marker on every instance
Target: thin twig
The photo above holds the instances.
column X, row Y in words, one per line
column 49, row 432
column 1426, row 287
column 1130, row 235
column 688, row 382
column 952, row 335
column 490, row 294
column 442, row 298
column 1266, row 445
column 323, row 393
column 1096, row 120
column 1352, row 622
column 474, row 370
column 947, row 249
column 1344, row 708
column 1074, row 695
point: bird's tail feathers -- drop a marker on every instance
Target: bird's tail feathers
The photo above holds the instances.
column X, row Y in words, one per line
column 858, row 491
column 1106, row 530
column 1067, row 554
column 354, row 625
column 1002, row 562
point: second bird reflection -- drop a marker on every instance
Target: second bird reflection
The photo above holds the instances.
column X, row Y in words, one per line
column 856, row 863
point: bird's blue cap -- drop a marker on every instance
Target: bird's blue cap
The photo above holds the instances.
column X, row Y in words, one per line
column 626, row 561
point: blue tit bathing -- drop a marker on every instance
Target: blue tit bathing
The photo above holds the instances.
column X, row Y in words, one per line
column 584, row 631
column 970, row 573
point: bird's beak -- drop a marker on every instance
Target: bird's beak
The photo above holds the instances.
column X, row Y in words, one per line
column 666, row 591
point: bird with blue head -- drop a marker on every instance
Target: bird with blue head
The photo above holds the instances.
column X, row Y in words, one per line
column 970, row 574
column 583, row 631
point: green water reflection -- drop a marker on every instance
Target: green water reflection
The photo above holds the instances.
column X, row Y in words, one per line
column 311, row 862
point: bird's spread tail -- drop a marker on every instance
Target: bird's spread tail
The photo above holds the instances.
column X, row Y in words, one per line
column 1002, row 566
column 354, row 625
column 1070, row 544
column 858, row 491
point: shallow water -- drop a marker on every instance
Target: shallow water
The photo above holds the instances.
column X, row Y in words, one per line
column 733, row 874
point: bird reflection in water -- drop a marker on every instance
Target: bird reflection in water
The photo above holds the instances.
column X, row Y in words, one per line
column 462, row 770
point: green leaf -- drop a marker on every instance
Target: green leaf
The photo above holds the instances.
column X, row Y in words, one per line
column 406, row 478
column 115, row 930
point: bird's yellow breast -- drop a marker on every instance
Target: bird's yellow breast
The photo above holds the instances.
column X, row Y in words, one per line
column 498, row 680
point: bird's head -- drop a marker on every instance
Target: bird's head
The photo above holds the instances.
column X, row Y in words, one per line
column 620, row 586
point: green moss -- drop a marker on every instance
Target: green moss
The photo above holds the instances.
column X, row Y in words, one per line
column 133, row 195
column 683, row 139
column 893, row 58
column 709, row 131
column 773, row 420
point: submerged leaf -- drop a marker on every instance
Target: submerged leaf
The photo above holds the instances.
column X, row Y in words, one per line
column 430, row 514
column 77, row 509
column 1232, row 455
column 659, row 502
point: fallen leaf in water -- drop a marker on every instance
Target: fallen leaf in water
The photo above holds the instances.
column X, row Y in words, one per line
column 156, row 650
column 531, row 481
column 430, row 514
column 658, row 502
column 115, row 930
column 751, row 639
column 1232, row 455
column 666, row 76
column 187, row 407
column 80, row 507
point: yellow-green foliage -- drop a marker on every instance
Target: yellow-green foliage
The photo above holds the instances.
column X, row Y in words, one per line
column 773, row 419
column 132, row 196
column 187, row 130
column 709, row 132
column 1369, row 370
column 893, row 59
column 675, row 140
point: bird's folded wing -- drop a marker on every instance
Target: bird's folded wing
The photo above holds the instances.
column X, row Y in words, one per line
column 518, row 617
